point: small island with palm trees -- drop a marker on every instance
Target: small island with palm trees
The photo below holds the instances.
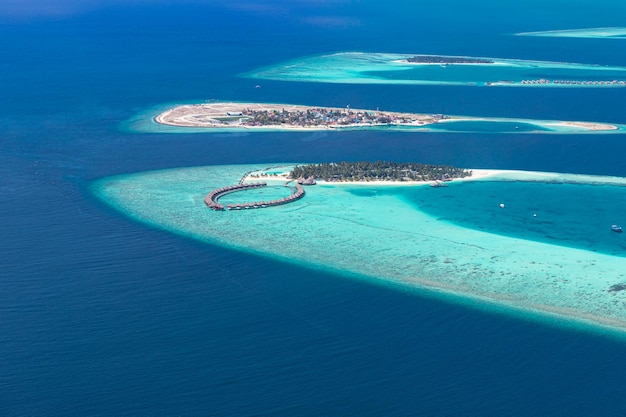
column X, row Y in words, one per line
column 361, row 172
column 377, row 171
column 448, row 60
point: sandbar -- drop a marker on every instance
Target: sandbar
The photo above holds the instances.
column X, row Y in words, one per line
column 283, row 175
column 601, row 33
column 589, row 125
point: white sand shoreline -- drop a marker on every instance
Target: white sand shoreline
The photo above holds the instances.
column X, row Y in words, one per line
column 221, row 116
column 561, row 285
column 477, row 174
column 225, row 115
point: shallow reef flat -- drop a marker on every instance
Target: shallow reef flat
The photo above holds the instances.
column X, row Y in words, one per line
column 602, row 33
column 375, row 234
column 387, row 68
column 218, row 116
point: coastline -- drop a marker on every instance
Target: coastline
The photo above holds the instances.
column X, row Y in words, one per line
column 404, row 61
column 613, row 32
column 224, row 115
column 376, row 68
column 543, row 280
column 585, row 126
column 589, row 125
column 220, row 116
column 477, row 174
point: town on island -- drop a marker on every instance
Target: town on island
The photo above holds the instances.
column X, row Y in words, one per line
column 288, row 117
column 340, row 172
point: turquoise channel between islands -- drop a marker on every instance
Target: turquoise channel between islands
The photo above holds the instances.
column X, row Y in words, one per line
column 389, row 68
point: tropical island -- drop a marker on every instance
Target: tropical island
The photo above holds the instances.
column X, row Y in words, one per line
column 377, row 171
column 423, row 69
column 448, row 60
column 285, row 116
column 343, row 172
column 219, row 116
column 381, row 235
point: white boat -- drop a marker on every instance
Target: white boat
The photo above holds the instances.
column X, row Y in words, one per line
column 616, row 228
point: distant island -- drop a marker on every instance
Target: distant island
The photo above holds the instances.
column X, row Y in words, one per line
column 288, row 117
column 341, row 172
column 377, row 171
column 446, row 60
column 599, row 33
column 285, row 116
column 424, row 69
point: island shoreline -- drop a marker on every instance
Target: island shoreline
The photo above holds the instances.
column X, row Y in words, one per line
column 221, row 116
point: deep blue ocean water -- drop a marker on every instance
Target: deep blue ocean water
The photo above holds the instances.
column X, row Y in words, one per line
column 102, row 316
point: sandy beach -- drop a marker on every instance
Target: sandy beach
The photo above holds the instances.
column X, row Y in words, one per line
column 525, row 275
column 590, row 125
column 280, row 117
column 476, row 175
column 446, row 64
column 230, row 114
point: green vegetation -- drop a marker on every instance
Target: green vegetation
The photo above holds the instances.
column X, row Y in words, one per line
column 378, row 171
column 321, row 117
column 436, row 59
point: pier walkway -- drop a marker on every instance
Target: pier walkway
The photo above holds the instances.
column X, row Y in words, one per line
column 211, row 199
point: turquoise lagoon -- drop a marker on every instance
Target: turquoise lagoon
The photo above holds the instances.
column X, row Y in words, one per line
column 550, row 250
column 388, row 68
column 601, row 33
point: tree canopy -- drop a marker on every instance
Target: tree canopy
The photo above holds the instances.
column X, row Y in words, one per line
column 379, row 171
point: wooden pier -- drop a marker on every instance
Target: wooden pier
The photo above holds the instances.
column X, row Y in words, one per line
column 211, row 199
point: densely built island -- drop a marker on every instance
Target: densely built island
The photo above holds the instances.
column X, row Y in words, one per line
column 286, row 117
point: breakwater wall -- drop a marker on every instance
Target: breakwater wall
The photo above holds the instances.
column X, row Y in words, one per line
column 211, row 199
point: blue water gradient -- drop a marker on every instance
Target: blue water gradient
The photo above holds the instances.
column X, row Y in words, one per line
column 574, row 215
column 393, row 68
column 486, row 127
column 145, row 121
column 103, row 316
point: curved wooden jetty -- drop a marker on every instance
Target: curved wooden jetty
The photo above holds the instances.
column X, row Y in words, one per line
column 211, row 199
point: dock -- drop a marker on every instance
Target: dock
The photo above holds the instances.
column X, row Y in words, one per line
column 211, row 199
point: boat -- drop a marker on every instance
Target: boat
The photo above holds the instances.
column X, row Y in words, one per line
column 616, row 228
